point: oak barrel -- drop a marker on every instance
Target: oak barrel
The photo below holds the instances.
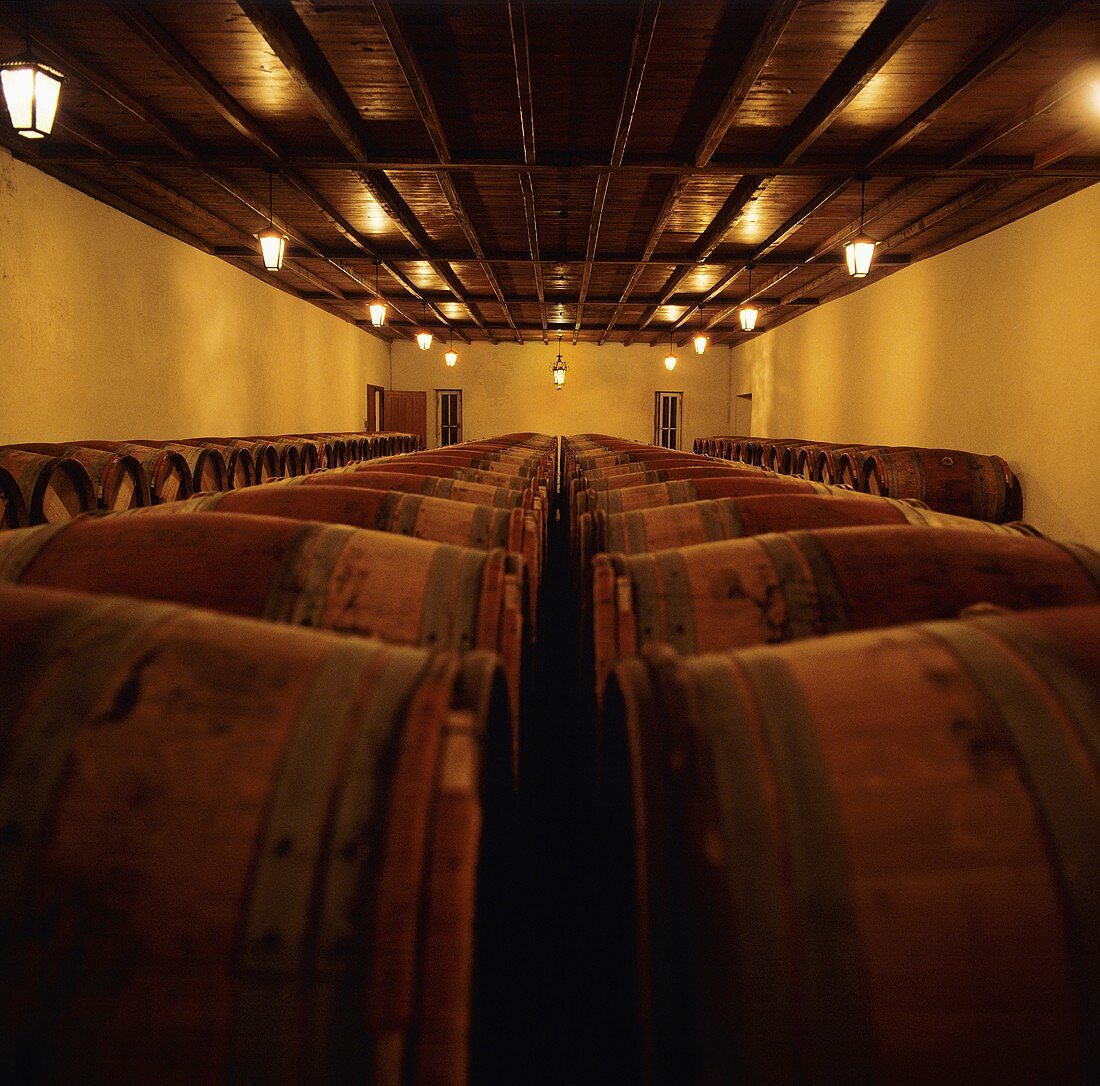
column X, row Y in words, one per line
column 963, row 483
column 377, row 584
column 235, row 851
column 53, row 489
column 783, row 586
column 118, row 478
column 868, row 858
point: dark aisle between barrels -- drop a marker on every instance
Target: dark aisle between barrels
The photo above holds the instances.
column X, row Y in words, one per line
column 561, row 942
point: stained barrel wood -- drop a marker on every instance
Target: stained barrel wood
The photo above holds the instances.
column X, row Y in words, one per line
column 872, row 857
column 962, row 483
column 454, row 489
column 664, row 527
column 782, row 586
column 166, row 468
column 53, row 489
column 439, row 519
column 377, row 584
column 236, row 851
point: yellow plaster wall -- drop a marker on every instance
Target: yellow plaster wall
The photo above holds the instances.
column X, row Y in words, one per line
column 110, row 329
column 609, row 389
column 992, row 347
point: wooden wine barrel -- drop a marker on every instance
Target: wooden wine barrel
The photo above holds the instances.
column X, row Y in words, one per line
column 408, row 591
column 640, row 467
column 118, row 479
column 828, row 464
column 467, row 525
column 406, row 466
column 309, row 456
column 206, row 465
column 962, row 483
column 692, row 490
column 704, row 469
column 266, row 463
column 782, row 586
column 236, row 851
column 520, row 466
column 669, row 526
column 53, row 489
column 13, row 510
column 166, row 469
column 232, row 465
column 454, row 489
column 865, row 858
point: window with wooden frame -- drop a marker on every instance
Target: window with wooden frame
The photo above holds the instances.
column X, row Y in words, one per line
column 668, row 422
column 448, row 415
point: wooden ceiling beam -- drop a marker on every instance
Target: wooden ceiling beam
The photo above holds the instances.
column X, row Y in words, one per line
column 521, row 56
column 745, row 191
column 997, row 53
column 721, row 258
column 775, row 239
column 767, row 37
column 290, row 40
column 726, row 168
column 888, row 32
column 429, row 115
column 1067, row 147
column 644, row 28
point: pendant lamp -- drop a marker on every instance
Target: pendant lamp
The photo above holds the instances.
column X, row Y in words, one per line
column 31, row 90
column 377, row 307
column 748, row 313
column 861, row 249
column 272, row 241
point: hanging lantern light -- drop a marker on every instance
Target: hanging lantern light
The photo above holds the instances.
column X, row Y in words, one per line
column 451, row 357
column 424, row 337
column 748, row 313
column 861, row 249
column 700, row 339
column 31, row 90
column 272, row 241
column 670, row 358
column 558, row 368
column 377, row 307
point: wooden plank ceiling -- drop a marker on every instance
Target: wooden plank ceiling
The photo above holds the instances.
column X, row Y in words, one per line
column 601, row 168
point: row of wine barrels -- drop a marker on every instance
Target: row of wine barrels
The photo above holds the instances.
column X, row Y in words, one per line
column 949, row 480
column 438, row 519
column 235, row 851
column 377, row 584
column 51, row 488
column 54, row 479
column 776, row 587
column 840, row 846
column 118, row 478
column 869, row 857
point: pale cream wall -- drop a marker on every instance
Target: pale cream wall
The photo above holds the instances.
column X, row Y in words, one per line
column 608, row 389
column 992, row 347
column 110, row 329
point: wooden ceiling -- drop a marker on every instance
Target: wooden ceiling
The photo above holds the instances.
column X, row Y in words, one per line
column 603, row 168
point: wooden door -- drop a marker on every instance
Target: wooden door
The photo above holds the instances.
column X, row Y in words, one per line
column 406, row 413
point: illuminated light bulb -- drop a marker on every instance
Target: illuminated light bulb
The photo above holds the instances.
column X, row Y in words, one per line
column 31, row 92
column 424, row 340
column 378, row 313
column 670, row 362
column 747, row 314
column 559, row 378
column 451, row 357
column 700, row 342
